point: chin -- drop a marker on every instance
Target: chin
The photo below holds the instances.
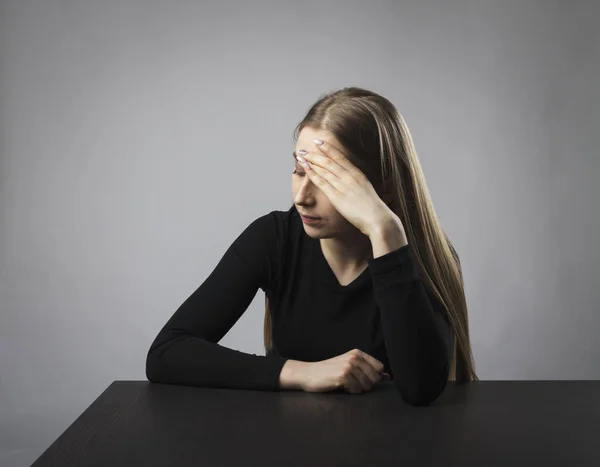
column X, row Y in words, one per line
column 317, row 235
column 311, row 234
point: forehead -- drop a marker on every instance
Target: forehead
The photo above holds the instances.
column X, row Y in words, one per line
column 306, row 136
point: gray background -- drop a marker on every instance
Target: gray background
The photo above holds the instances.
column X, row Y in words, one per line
column 138, row 139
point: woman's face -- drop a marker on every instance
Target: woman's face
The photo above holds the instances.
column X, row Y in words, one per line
column 309, row 199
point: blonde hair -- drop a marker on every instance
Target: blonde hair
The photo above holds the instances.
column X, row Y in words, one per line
column 378, row 142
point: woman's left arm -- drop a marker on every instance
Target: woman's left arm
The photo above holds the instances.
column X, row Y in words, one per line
column 417, row 335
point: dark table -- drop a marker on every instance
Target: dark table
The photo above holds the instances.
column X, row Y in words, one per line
column 484, row 423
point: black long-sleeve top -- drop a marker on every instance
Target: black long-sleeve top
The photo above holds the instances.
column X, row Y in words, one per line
column 386, row 312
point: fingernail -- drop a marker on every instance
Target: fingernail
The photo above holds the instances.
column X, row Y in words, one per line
column 318, row 142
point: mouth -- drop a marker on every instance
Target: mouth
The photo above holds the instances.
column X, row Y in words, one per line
column 309, row 220
column 307, row 217
column 310, row 217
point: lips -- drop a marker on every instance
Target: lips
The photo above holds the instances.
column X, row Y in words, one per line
column 310, row 217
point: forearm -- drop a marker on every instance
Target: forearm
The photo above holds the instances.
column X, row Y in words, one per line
column 192, row 361
column 417, row 335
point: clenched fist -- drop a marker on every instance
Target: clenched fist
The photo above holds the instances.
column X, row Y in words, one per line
column 354, row 371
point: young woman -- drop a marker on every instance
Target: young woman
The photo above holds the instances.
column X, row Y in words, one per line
column 368, row 289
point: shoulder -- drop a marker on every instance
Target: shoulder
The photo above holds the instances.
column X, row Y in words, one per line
column 276, row 222
column 272, row 230
column 267, row 240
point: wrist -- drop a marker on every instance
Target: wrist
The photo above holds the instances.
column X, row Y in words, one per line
column 386, row 224
column 292, row 374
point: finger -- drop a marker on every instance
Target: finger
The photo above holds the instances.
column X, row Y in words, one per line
column 339, row 156
column 336, row 174
column 330, row 150
column 376, row 364
column 320, row 180
column 316, row 159
column 363, row 372
column 335, row 182
column 372, row 375
column 352, row 382
column 365, row 375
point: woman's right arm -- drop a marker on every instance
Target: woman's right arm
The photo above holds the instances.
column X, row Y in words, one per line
column 186, row 350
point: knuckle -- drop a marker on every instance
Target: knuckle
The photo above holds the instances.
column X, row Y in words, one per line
column 349, row 180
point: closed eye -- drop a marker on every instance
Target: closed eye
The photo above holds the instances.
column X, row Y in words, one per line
column 295, row 172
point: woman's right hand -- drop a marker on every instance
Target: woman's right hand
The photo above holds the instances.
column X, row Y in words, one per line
column 354, row 371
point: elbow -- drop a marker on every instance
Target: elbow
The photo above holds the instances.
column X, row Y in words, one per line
column 152, row 368
column 426, row 393
column 155, row 358
column 155, row 363
column 422, row 397
column 158, row 361
column 431, row 381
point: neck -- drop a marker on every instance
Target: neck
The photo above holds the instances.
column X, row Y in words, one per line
column 348, row 253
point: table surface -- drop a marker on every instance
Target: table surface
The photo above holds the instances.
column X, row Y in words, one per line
column 483, row 423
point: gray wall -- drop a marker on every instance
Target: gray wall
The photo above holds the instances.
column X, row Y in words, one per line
column 138, row 139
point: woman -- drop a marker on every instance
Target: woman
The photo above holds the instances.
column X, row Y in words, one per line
column 369, row 289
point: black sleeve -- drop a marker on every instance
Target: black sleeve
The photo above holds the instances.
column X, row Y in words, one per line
column 186, row 350
column 416, row 330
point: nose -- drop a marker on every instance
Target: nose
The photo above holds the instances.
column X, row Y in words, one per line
column 305, row 190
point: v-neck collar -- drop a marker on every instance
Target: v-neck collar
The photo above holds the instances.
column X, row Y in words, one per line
column 330, row 277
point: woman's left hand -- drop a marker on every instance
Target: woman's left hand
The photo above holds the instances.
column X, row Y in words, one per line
column 348, row 189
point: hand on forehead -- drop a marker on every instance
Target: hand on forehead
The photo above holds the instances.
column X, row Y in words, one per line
column 307, row 135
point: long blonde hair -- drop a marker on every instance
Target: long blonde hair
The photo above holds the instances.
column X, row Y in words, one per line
column 378, row 142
